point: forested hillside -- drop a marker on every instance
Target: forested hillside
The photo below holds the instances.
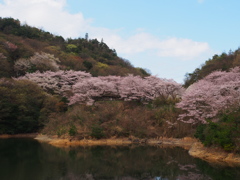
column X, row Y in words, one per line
column 223, row 62
column 27, row 49
column 47, row 84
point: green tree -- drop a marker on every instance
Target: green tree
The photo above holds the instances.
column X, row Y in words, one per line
column 23, row 106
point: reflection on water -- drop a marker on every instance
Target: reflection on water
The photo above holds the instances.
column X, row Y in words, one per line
column 26, row 159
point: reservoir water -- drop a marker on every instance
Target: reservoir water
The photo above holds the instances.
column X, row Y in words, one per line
column 27, row 159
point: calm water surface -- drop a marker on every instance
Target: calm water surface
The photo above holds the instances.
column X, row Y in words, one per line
column 27, row 159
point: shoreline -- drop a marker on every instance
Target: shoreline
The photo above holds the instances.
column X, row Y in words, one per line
column 185, row 143
column 214, row 155
column 30, row 135
column 195, row 148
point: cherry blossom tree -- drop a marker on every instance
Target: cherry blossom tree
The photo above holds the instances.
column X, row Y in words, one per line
column 210, row 96
column 10, row 46
column 81, row 87
column 134, row 88
column 21, row 66
column 128, row 88
column 59, row 82
column 94, row 88
column 164, row 88
column 39, row 61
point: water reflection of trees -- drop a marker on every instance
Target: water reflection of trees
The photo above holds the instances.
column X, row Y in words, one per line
column 129, row 163
column 33, row 160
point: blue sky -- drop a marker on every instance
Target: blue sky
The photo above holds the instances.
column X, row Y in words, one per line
column 168, row 37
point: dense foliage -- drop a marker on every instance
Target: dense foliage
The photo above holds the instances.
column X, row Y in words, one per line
column 224, row 133
column 24, row 107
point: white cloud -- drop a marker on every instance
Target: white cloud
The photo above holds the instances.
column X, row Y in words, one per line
column 172, row 47
column 185, row 48
column 52, row 16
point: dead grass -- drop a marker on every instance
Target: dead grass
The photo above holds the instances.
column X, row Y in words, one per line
column 120, row 119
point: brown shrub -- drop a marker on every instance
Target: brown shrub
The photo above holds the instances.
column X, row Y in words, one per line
column 119, row 119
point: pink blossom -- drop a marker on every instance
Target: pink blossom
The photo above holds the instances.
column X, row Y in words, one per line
column 10, row 46
column 210, row 96
column 81, row 87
